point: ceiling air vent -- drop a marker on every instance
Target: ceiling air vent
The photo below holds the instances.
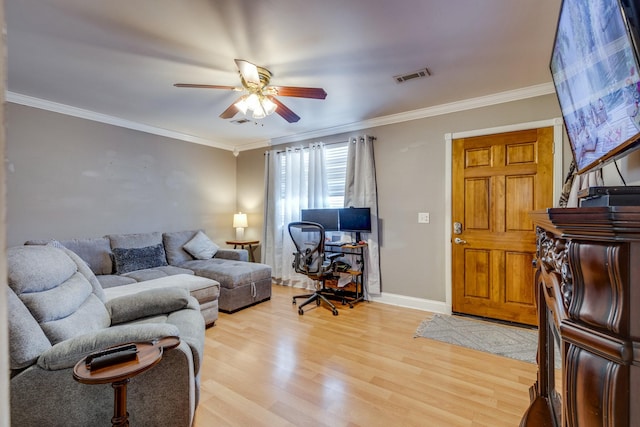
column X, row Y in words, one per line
column 240, row 121
column 423, row 72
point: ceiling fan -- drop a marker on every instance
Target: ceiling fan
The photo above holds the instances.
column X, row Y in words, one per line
column 260, row 97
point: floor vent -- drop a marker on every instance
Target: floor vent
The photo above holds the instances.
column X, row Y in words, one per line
column 423, row 72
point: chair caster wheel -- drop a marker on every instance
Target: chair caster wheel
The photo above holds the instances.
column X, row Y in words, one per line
column 318, row 301
column 293, row 302
column 335, row 312
column 350, row 305
column 300, row 311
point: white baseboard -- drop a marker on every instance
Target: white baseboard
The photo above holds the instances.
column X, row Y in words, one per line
column 412, row 302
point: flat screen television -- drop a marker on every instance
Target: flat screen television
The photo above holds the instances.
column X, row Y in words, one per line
column 595, row 71
column 328, row 218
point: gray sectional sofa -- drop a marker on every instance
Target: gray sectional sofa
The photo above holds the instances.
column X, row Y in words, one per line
column 220, row 279
column 58, row 314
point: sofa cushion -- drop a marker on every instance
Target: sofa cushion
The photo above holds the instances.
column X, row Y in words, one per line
column 156, row 273
column 147, row 303
column 132, row 259
column 84, row 269
column 230, row 274
column 174, row 246
column 95, row 251
column 26, row 339
column 202, row 288
column 135, row 240
column 91, row 316
column 59, row 297
column 201, row 247
column 111, row 280
column 38, row 268
column 66, row 354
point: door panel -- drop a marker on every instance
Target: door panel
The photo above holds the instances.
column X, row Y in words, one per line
column 477, row 213
column 477, row 280
column 497, row 180
column 520, row 201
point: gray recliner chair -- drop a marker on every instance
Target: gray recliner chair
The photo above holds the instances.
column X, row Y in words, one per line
column 58, row 314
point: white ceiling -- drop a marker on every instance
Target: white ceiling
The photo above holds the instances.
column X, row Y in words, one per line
column 120, row 59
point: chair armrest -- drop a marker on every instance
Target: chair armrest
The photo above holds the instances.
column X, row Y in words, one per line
column 233, row 254
column 148, row 303
column 67, row 353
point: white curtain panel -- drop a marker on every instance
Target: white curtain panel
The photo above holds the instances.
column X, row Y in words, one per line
column 361, row 191
column 294, row 180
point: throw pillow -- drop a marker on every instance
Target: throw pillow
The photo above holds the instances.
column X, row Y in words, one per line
column 132, row 259
column 201, row 247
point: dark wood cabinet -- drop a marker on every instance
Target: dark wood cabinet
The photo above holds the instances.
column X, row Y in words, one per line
column 588, row 296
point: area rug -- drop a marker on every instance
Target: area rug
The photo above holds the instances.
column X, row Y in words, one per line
column 509, row 341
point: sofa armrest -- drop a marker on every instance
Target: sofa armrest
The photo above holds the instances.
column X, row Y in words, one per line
column 67, row 353
column 233, row 254
column 148, row 303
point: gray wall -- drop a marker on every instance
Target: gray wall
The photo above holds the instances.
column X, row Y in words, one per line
column 250, row 194
column 410, row 163
column 69, row 177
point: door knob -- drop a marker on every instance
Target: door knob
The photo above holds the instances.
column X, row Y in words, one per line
column 459, row 241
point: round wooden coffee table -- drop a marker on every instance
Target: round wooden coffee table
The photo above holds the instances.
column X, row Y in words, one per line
column 119, row 375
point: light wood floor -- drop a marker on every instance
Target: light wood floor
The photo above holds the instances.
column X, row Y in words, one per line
column 268, row 366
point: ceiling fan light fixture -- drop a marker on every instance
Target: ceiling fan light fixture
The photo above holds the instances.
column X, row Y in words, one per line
column 259, row 114
column 241, row 105
column 259, row 97
column 268, row 106
column 253, row 102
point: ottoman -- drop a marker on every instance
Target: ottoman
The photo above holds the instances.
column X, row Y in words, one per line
column 242, row 284
column 205, row 290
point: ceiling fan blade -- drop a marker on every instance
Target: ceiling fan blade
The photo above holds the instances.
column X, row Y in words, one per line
column 248, row 71
column 230, row 112
column 300, row 92
column 208, row 86
column 284, row 111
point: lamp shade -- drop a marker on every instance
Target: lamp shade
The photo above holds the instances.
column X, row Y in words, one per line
column 240, row 220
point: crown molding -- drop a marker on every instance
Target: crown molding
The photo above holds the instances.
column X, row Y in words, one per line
column 438, row 110
column 68, row 110
column 453, row 107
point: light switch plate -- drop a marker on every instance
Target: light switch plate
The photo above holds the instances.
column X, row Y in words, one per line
column 423, row 217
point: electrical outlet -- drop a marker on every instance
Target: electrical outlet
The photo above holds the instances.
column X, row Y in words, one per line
column 423, row 217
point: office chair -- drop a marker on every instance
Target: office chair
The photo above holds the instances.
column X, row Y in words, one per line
column 310, row 260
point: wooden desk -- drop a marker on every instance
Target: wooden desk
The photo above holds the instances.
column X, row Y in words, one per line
column 355, row 291
column 251, row 244
column 119, row 375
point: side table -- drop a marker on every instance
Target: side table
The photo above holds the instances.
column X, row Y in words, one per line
column 119, row 375
column 251, row 244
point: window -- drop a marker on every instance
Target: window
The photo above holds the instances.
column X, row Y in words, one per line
column 336, row 164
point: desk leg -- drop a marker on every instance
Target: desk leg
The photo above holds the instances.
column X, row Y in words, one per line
column 120, row 414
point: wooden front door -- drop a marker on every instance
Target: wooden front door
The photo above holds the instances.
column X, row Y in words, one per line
column 497, row 180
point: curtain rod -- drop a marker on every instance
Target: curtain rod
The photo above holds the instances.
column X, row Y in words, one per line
column 372, row 138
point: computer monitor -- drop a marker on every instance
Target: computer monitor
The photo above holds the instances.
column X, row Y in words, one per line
column 355, row 219
column 328, row 218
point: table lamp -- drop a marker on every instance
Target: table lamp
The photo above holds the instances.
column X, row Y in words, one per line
column 239, row 223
